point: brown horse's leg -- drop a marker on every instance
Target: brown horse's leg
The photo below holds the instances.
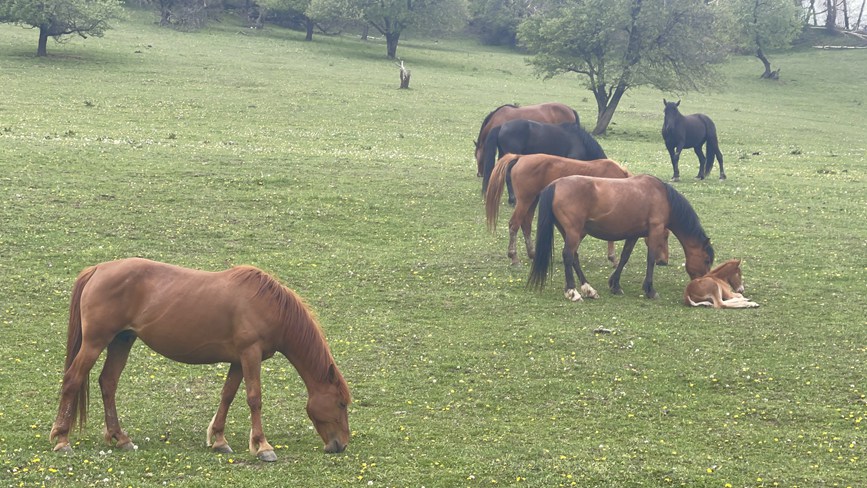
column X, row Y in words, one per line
column 73, row 381
column 251, row 363
column 218, row 424
column 514, row 224
column 647, row 286
column 115, row 361
column 570, row 262
column 614, row 280
column 527, row 227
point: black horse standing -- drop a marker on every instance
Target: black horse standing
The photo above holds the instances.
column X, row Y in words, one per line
column 567, row 140
column 690, row 131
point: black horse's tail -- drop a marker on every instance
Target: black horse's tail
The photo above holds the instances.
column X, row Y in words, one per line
column 712, row 143
column 509, row 187
column 489, row 156
column 577, row 120
column 544, row 238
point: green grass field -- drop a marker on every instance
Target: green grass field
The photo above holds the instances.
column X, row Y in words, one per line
column 230, row 146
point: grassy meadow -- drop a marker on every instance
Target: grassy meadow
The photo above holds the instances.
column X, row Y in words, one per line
column 231, row 146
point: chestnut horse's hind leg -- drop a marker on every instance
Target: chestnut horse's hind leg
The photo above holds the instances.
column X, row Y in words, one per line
column 612, row 254
column 251, row 362
column 74, row 380
column 115, row 361
column 218, row 423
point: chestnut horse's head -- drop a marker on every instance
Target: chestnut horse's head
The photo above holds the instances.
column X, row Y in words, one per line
column 327, row 407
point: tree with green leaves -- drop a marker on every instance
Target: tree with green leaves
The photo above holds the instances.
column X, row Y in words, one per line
column 761, row 25
column 616, row 45
column 292, row 8
column 59, row 18
column 393, row 17
column 496, row 21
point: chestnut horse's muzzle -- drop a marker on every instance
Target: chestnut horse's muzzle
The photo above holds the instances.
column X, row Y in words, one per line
column 335, row 447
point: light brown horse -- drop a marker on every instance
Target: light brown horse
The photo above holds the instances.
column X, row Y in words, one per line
column 549, row 113
column 240, row 316
column 614, row 209
column 529, row 175
column 722, row 287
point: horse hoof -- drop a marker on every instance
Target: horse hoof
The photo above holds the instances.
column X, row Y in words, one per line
column 573, row 295
column 675, row 179
column 225, row 449
column 63, row 448
column 617, row 291
column 267, row 456
column 127, row 446
column 652, row 295
column 589, row 292
column 722, row 177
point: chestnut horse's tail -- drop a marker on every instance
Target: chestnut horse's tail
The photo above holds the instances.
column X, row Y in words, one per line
column 495, row 188
column 73, row 345
column 544, row 238
column 489, row 156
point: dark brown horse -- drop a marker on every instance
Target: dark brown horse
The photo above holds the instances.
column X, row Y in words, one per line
column 616, row 209
column 240, row 316
column 690, row 131
column 530, row 174
column 722, row 287
column 549, row 113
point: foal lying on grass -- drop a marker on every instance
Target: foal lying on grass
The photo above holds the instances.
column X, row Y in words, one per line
column 720, row 288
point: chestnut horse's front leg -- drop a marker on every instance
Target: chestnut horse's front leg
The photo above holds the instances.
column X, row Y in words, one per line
column 251, row 363
column 218, row 424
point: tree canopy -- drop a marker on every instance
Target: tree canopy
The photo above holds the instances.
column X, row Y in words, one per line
column 760, row 25
column 616, row 45
column 58, row 18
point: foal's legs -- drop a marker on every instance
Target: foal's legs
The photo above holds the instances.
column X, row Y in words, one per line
column 614, row 280
column 218, row 423
column 703, row 165
column 73, row 381
column 115, row 361
column 251, row 362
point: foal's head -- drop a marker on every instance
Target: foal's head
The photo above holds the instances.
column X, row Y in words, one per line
column 730, row 272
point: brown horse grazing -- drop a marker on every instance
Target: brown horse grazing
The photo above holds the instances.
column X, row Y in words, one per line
column 529, row 175
column 549, row 113
column 240, row 316
column 614, row 209
column 722, row 287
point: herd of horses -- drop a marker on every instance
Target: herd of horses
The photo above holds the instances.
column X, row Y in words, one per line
column 242, row 316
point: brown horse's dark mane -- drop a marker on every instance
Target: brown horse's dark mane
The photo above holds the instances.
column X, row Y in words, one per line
column 488, row 119
column 299, row 321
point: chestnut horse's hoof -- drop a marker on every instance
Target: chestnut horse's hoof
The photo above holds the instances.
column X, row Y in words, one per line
column 127, row 446
column 63, row 448
column 224, row 449
column 267, row 456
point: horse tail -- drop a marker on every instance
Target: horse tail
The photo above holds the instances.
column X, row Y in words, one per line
column 73, row 345
column 544, row 238
column 489, row 156
column 712, row 140
column 495, row 188
column 577, row 120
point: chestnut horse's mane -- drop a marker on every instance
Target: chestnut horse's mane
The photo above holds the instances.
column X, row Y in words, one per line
column 298, row 320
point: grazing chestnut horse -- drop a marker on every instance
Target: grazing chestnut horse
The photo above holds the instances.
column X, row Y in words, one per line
column 529, row 175
column 690, row 131
column 722, row 287
column 240, row 316
column 615, row 209
column 549, row 113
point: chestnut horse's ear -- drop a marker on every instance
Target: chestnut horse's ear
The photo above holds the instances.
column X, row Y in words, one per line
column 332, row 374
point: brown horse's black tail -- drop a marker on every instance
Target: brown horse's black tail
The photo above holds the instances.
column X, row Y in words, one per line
column 489, row 156
column 73, row 345
column 544, row 238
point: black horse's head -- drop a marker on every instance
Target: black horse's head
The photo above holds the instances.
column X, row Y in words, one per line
column 671, row 107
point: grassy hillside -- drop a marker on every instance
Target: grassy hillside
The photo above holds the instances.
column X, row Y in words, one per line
column 230, row 146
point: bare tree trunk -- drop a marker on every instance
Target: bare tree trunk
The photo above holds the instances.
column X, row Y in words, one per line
column 606, row 107
column 42, row 48
column 831, row 15
column 860, row 14
column 391, row 39
column 846, row 15
column 364, row 32
column 768, row 74
column 309, row 24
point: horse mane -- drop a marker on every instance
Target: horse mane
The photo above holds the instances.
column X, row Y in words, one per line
column 298, row 320
column 594, row 149
column 488, row 119
column 683, row 218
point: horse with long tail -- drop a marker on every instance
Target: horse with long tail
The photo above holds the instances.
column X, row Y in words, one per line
column 690, row 131
column 549, row 113
column 613, row 210
column 529, row 137
column 529, row 174
column 239, row 316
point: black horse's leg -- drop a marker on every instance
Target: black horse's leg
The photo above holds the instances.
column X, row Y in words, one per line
column 649, row 292
column 674, row 154
column 702, row 161
column 722, row 172
column 614, row 280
